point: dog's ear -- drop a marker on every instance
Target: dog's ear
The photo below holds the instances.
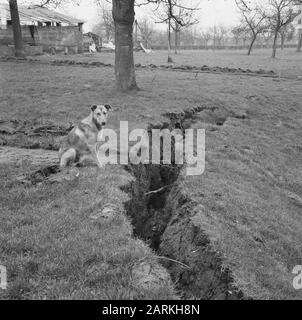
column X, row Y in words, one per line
column 93, row 107
column 108, row 106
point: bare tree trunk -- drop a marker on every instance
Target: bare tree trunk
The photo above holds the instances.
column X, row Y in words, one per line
column 176, row 40
column 282, row 40
column 135, row 33
column 299, row 41
column 169, row 41
column 123, row 16
column 13, row 6
column 275, row 44
column 251, row 45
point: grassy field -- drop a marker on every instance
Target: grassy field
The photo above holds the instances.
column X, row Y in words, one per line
column 288, row 62
column 251, row 192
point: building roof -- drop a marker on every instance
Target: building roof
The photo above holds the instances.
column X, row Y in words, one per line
column 29, row 15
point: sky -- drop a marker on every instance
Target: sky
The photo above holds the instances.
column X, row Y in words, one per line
column 213, row 12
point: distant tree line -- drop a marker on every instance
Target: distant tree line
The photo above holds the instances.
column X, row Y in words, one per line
column 261, row 20
column 271, row 18
column 212, row 37
column 268, row 23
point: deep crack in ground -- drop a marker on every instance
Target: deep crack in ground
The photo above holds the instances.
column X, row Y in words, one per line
column 163, row 216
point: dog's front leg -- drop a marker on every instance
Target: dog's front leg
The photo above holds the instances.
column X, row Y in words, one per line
column 96, row 157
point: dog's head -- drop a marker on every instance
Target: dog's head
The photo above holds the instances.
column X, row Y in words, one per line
column 100, row 114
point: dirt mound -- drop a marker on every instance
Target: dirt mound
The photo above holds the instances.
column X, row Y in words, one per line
column 33, row 127
column 216, row 69
column 32, row 134
column 181, row 68
column 29, row 158
column 37, row 166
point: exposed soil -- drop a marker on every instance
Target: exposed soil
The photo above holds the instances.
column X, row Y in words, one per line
column 168, row 67
column 165, row 217
column 32, row 134
column 30, row 158
column 37, row 166
column 32, row 145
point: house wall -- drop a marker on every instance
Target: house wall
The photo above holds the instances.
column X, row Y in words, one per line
column 298, row 20
column 58, row 37
column 7, row 37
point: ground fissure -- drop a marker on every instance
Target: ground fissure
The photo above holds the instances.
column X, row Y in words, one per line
column 166, row 218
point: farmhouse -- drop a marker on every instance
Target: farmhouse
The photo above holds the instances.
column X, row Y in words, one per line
column 42, row 30
column 298, row 27
column 298, row 20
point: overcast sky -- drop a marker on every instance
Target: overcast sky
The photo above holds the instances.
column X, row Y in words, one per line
column 213, row 12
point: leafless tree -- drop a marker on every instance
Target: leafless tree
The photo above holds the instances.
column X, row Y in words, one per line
column 266, row 37
column 146, row 31
column 178, row 14
column 253, row 18
column 218, row 34
column 108, row 23
column 237, row 32
column 299, row 41
column 240, row 33
column 281, row 13
column 187, row 18
column 286, row 34
column 223, row 32
column 123, row 16
column 206, row 37
column 299, row 20
column 105, row 27
column 13, row 6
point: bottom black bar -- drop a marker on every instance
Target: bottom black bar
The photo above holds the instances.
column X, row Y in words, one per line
column 130, row 309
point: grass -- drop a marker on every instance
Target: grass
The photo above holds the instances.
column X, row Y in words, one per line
column 54, row 249
column 250, row 190
column 288, row 62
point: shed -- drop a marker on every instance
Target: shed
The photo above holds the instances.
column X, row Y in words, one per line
column 43, row 27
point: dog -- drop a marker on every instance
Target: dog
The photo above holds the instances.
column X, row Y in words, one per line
column 80, row 144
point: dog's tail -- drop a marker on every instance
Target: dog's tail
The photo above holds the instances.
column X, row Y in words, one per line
column 67, row 157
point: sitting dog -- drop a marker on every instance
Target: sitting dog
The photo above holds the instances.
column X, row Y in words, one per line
column 80, row 144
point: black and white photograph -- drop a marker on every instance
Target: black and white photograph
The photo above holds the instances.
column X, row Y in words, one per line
column 150, row 150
